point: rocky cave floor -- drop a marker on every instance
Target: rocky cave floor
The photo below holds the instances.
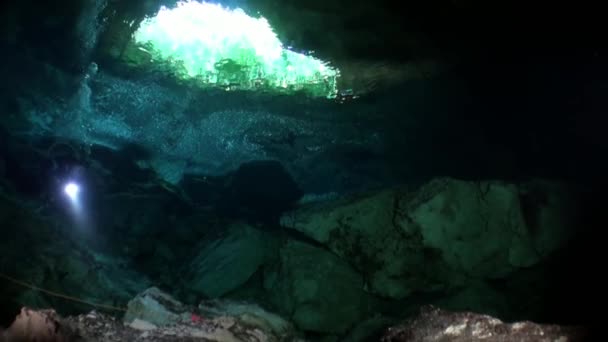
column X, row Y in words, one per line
column 155, row 316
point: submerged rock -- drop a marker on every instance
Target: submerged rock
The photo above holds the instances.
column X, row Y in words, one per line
column 323, row 293
column 217, row 320
column 250, row 314
column 32, row 325
column 156, row 307
column 441, row 234
column 225, row 264
column 433, row 324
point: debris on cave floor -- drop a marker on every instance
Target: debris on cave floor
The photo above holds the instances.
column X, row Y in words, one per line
column 433, row 324
column 154, row 316
column 46, row 326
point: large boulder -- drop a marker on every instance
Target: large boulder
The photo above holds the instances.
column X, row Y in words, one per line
column 322, row 292
column 441, row 234
column 224, row 264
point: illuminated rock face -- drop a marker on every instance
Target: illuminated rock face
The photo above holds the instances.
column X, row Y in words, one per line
column 442, row 234
column 215, row 46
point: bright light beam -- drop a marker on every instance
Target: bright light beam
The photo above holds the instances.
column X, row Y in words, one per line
column 72, row 190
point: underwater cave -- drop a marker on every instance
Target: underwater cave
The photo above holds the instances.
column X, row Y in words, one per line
column 254, row 170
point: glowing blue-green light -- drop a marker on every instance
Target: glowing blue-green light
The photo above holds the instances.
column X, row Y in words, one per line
column 224, row 46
